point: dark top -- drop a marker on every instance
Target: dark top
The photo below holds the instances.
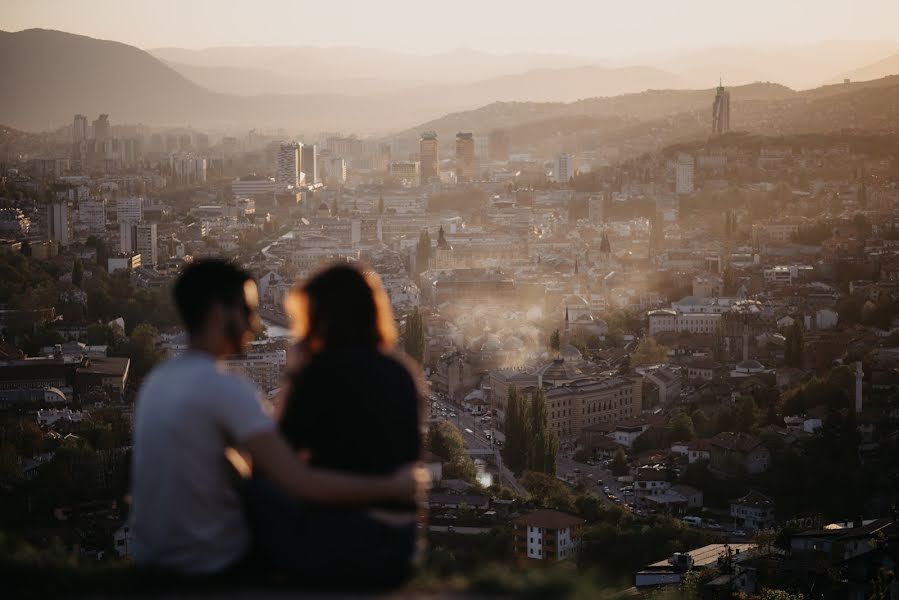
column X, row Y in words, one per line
column 357, row 410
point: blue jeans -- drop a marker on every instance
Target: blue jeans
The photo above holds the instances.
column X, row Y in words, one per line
column 334, row 548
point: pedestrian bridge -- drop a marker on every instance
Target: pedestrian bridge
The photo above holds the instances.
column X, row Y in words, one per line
column 480, row 452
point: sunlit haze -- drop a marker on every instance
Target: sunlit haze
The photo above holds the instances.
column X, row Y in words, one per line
column 578, row 299
column 596, row 28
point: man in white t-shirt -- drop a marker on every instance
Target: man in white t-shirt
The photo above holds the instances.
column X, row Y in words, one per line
column 186, row 513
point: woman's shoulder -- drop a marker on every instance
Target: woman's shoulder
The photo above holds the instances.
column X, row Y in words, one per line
column 399, row 367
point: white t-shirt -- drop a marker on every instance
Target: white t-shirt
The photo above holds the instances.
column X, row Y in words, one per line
column 185, row 513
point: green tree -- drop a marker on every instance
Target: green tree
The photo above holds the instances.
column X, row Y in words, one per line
column 445, row 441
column 515, row 449
column 77, row 273
column 543, row 446
column 649, row 352
column 701, row 422
column 140, row 347
column 98, row 334
column 555, row 341
column 728, row 280
column 423, row 252
column 414, row 337
column 548, row 492
column 619, row 463
column 793, row 352
column 9, row 463
column 682, row 427
column 747, row 414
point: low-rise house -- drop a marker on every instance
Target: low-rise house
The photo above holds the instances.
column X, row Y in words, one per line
column 650, row 482
column 703, row 368
column 442, row 500
column 842, row 541
column 753, row 511
column 732, row 452
column 699, row 450
column 693, row 496
column 672, row 570
column 546, row 535
column 803, row 423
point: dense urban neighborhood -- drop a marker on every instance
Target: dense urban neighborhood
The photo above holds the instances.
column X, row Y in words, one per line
column 674, row 369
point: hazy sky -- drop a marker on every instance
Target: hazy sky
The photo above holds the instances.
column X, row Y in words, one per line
column 587, row 27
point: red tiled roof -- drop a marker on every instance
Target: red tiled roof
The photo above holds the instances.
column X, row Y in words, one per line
column 549, row 519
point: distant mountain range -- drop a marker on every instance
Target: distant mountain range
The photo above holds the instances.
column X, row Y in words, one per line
column 332, row 64
column 882, row 68
column 51, row 75
column 648, row 120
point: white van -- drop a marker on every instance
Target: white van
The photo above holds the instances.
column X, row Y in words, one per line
column 693, row 521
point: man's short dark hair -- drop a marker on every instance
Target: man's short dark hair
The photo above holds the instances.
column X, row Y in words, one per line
column 202, row 285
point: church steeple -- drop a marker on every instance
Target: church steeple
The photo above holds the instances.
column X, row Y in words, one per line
column 604, row 246
column 441, row 240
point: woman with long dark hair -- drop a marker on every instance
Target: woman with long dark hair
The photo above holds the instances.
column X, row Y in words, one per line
column 351, row 404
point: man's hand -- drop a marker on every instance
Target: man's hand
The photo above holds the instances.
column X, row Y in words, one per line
column 412, row 482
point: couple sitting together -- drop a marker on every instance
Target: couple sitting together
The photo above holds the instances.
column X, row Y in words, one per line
column 326, row 487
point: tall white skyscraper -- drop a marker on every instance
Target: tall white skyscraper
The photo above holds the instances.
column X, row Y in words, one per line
column 287, row 170
column 563, row 168
column 129, row 210
column 58, row 222
column 683, row 172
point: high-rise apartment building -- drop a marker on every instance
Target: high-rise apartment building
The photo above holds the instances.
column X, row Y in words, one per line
column 481, row 149
column 721, row 111
column 563, row 168
column 383, row 158
column 187, row 168
column 287, row 171
column 683, row 172
column 335, row 167
column 130, row 209
column 79, row 128
column 58, row 222
column 430, row 157
column 92, row 214
column 101, row 128
column 140, row 238
column 309, row 163
column 465, row 157
column 498, row 145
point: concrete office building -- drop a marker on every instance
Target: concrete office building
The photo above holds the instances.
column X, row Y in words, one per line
column 129, row 210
